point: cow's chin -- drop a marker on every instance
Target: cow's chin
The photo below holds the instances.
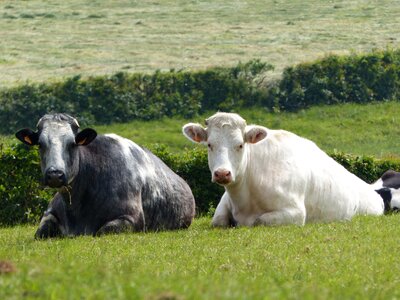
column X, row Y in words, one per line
column 56, row 184
column 223, row 182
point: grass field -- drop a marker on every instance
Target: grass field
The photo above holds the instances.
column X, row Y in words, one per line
column 44, row 40
column 346, row 260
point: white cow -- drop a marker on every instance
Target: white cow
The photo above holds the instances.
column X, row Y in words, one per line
column 274, row 177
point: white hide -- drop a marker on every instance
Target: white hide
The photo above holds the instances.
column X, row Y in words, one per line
column 142, row 172
column 279, row 179
column 395, row 201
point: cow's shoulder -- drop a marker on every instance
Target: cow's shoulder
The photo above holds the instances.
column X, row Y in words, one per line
column 126, row 146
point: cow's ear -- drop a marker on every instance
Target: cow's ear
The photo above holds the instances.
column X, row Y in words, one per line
column 254, row 134
column 195, row 132
column 27, row 136
column 85, row 137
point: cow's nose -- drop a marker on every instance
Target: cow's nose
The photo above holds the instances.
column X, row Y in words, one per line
column 223, row 176
column 54, row 178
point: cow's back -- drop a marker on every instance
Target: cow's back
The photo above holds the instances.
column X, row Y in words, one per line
column 335, row 193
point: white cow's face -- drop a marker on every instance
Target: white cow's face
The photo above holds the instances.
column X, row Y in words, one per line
column 226, row 150
column 227, row 138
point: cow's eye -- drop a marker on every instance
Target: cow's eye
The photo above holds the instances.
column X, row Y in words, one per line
column 239, row 147
column 209, row 146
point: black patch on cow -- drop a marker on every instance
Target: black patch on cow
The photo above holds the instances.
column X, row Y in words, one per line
column 386, row 195
column 391, row 179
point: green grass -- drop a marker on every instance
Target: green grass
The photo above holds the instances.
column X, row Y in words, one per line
column 371, row 129
column 43, row 40
column 357, row 260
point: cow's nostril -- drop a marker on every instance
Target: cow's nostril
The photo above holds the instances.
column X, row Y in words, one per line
column 55, row 174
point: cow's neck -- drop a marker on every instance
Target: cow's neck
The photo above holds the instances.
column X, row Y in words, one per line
column 238, row 190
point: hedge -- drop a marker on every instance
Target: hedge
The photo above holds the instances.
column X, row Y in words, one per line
column 23, row 199
column 339, row 79
column 123, row 97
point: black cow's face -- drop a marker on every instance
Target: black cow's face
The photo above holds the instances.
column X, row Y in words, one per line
column 58, row 140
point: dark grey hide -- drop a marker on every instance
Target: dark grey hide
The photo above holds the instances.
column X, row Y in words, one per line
column 388, row 186
column 106, row 184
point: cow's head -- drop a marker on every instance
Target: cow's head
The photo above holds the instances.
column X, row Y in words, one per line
column 227, row 137
column 58, row 138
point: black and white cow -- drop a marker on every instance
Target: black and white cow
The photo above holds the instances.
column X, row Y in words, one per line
column 106, row 183
column 388, row 186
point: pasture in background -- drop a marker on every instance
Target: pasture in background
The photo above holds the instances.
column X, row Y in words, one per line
column 44, row 40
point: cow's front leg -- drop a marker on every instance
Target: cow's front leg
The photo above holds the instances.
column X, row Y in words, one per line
column 124, row 223
column 223, row 213
column 49, row 227
column 288, row 216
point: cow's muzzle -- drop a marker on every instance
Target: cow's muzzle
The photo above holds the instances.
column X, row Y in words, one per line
column 222, row 176
column 55, row 178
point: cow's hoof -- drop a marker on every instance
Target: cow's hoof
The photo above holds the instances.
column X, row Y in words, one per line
column 115, row 226
column 220, row 223
column 258, row 222
column 48, row 230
